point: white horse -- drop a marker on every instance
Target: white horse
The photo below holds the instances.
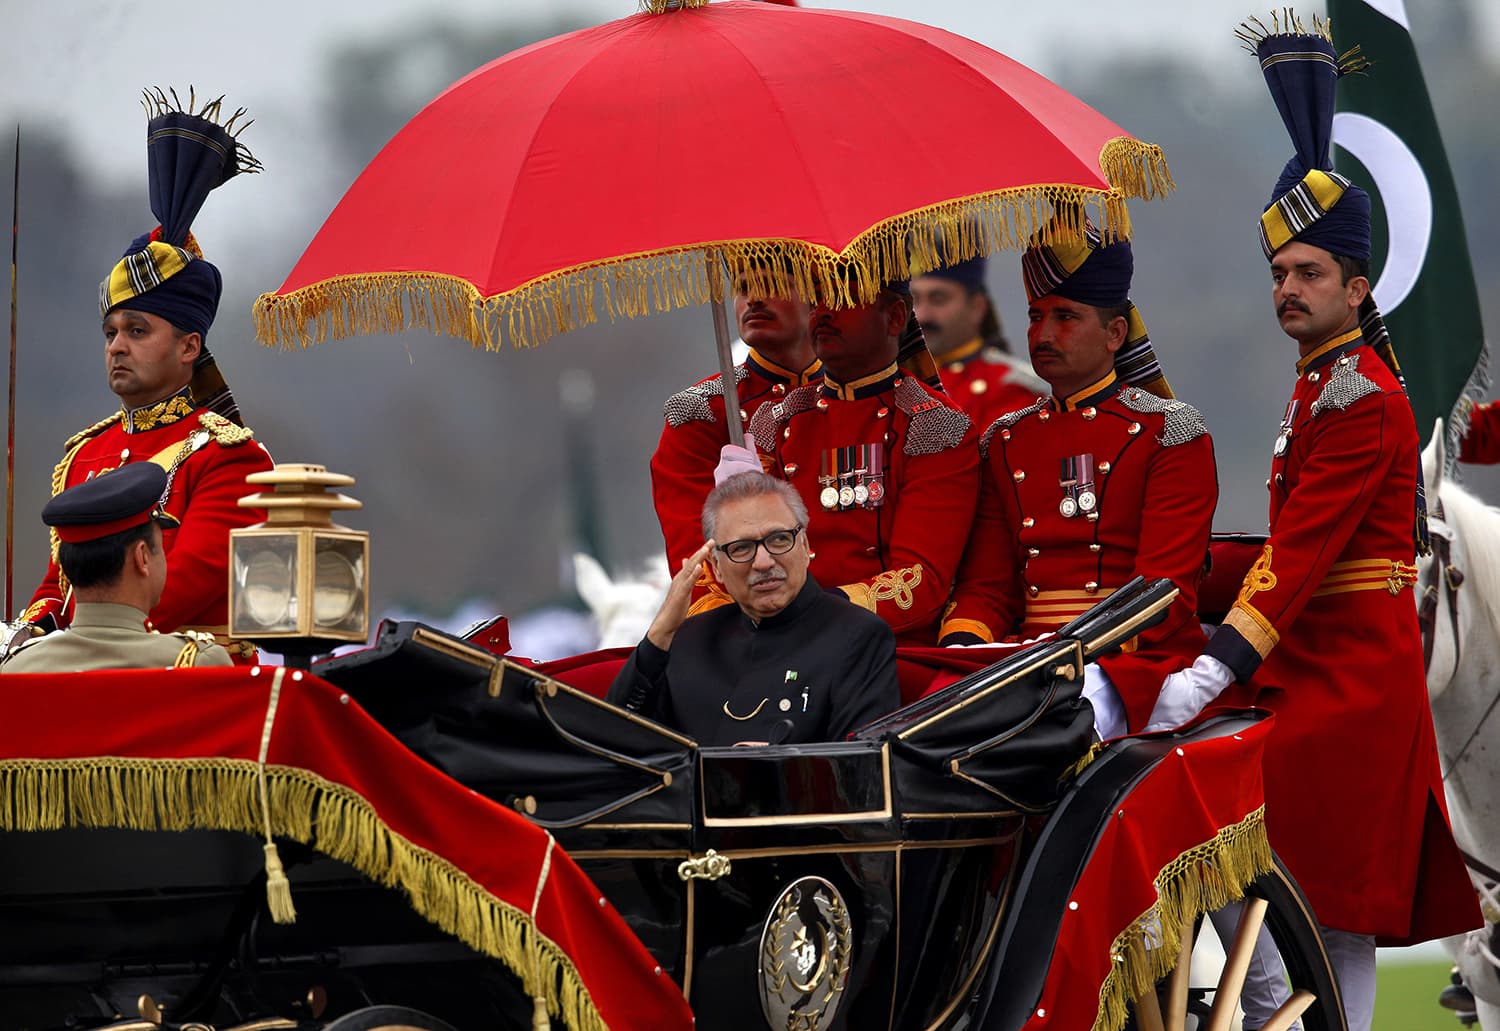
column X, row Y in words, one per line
column 622, row 609
column 1458, row 597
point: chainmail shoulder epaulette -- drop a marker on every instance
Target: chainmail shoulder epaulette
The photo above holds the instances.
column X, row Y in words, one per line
column 1181, row 421
column 1345, row 386
column 767, row 422
column 932, row 425
column 1006, row 421
column 691, row 405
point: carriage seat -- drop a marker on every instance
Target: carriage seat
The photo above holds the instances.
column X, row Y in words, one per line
column 919, row 671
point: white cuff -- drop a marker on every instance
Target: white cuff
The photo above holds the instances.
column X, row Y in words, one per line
column 1109, row 709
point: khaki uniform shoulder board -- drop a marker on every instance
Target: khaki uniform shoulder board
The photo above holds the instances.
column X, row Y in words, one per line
column 226, row 433
column 194, row 642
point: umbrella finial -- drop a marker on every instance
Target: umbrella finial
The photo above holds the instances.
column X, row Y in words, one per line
column 663, row 6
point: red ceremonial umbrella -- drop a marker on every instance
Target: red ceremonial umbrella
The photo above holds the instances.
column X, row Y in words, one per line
column 629, row 166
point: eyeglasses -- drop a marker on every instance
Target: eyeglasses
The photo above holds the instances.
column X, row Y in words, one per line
column 777, row 542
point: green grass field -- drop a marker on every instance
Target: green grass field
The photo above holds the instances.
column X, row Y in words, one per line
column 1406, row 997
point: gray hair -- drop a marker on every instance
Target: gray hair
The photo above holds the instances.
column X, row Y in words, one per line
column 741, row 486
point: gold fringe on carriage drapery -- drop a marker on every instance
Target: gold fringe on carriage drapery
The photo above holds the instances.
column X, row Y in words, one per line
column 223, row 794
column 660, row 281
column 1204, row 879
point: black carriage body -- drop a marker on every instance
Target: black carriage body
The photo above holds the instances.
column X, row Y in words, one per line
column 95, row 920
column 920, row 824
column 933, row 853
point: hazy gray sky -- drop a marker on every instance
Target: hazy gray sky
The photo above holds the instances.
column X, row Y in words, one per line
column 81, row 63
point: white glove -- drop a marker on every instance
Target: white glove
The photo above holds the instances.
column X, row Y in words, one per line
column 734, row 460
column 1109, row 710
column 1185, row 693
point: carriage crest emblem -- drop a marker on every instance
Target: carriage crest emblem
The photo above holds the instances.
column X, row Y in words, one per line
column 805, row 952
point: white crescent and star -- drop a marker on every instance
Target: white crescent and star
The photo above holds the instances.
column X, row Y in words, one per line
column 1395, row 10
column 1404, row 192
column 1400, row 182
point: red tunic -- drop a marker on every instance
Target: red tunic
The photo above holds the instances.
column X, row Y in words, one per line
column 682, row 469
column 906, row 464
column 1146, row 508
column 986, row 382
column 1481, row 445
column 203, row 493
column 1326, row 624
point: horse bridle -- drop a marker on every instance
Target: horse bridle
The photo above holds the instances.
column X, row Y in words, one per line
column 1453, row 579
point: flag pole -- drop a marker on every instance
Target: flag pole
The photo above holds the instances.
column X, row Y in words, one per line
column 10, row 408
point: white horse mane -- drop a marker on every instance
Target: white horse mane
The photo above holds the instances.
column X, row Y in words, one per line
column 1477, row 524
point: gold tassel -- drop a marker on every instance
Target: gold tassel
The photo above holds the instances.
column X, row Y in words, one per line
column 278, row 888
column 238, row 795
column 1082, row 764
column 660, row 281
column 1203, row 879
column 539, row 1018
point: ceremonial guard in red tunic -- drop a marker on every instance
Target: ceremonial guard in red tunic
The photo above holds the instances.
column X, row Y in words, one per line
column 157, row 306
column 958, row 320
column 884, row 458
column 1481, row 444
column 1107, row 478
column 682, row 469
column 1324, row 631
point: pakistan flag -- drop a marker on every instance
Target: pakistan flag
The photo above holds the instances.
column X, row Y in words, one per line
column 1389, row 143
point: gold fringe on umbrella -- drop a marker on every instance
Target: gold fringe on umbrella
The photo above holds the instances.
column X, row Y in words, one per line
column 660, row 281
column 1204, row 879
column 225, row 794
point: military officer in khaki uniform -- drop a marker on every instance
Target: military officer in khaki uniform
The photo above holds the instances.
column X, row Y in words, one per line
column 109, row 533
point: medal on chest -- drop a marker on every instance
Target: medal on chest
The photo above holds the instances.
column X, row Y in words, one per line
column 829, row 478
column 852, row 477
column 1287, row 421
column 1076, row 479
column 874, row 474
column 846, row 477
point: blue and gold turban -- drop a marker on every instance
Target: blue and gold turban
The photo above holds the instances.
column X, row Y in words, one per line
column 1091, row 272
column 967, row 274
column 1311, row 202
column 164, row 273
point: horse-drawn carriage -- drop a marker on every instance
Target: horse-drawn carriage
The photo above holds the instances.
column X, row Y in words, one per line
column 972, row 860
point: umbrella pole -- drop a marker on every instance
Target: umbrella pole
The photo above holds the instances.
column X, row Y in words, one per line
column 726, row 370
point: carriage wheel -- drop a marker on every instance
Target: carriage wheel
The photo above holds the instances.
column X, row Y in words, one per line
column 1275, row 902
column 388, row 1018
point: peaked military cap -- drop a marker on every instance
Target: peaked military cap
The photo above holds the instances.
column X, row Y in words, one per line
column 112, row 503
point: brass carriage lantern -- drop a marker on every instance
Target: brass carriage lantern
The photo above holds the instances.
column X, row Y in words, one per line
column 299, row 582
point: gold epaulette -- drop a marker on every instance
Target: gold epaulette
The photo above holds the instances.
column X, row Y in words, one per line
column 226, row 433
column 92, row 431
column 60, row 475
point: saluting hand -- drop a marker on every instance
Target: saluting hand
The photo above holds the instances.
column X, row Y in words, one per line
column 674, row 608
